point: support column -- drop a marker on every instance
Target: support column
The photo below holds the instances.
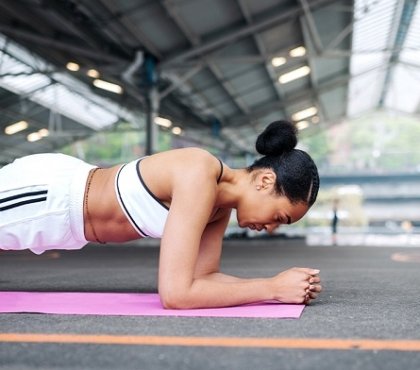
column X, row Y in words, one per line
column 152, row 104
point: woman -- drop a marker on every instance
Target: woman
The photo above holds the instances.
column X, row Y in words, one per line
column 52, row 201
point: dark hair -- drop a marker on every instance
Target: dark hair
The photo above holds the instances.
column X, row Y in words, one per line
column 296, row 173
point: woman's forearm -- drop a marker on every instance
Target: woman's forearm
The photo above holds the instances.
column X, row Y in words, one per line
column 219, row 290
column 295, row 285
column 223, row 278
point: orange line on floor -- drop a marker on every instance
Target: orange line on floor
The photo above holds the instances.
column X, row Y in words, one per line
column 279, row 343
column 406, row 257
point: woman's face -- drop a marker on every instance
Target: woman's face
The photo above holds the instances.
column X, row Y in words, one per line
column 260, row 208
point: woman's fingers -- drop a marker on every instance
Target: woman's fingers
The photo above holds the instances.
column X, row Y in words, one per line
column 315, row 288
column 312, row 293
column 310, row 296
column 314, row 279
column 297, row 285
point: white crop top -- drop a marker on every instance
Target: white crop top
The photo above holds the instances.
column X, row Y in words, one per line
column 146, row 213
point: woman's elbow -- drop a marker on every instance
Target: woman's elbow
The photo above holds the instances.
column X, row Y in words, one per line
column 174, row 301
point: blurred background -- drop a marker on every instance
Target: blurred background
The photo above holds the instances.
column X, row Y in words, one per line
column 109, row 81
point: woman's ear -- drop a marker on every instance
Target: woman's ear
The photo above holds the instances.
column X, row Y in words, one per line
column 267, row 179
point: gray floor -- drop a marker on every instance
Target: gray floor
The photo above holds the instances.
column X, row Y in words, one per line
column 367, row 295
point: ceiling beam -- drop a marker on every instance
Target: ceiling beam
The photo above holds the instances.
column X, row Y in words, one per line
column 180, row 81
column 311, row 36
column 405, row 14
column 323, row 87
column 291, row 99
column 272, row 75
column 313, row 30
column 24, row 13
column 20, row 34
column 194, row 40
column 285, row 15
column 77, row 22
column 257, row 58
column 121, row 23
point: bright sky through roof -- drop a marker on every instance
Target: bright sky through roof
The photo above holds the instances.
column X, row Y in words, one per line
column 72, row 99
column 374, row 34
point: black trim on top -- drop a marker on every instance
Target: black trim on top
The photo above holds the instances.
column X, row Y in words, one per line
column 147, row 189
column 22, row 203
column 221, row 170
column 125, row 208
column 23, row 195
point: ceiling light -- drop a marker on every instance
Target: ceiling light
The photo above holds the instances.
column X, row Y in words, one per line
column 44, row 132
column 295, row 74
column 71, row 66
column 305, row 113
column 16, row 127
column 108, row 86
column 315, row 119
column 177, row 130
column 297, row 52
column 93, row 73
column 302, row 125
column 163, row 122
column 35, row 136
column 278, row 61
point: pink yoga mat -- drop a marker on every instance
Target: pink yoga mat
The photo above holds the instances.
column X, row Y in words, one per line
column 138, row 304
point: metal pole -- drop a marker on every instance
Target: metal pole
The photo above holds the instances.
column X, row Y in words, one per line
column 152, row 103
column 152, row 108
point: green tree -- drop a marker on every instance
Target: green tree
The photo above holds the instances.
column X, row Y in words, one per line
column 319, row 147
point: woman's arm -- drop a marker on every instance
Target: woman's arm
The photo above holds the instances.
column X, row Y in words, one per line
column 209, row 254
column 188, row 267
column 210, row 250
column 208, row 262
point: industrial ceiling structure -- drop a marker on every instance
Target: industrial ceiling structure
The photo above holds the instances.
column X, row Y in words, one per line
column 216, row 71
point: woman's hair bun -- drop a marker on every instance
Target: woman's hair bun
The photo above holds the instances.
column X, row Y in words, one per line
column 279, row 137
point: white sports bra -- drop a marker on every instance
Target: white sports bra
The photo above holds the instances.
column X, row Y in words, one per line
column 146, row 213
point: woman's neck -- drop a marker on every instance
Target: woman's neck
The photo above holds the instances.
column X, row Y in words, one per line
column 231, row 187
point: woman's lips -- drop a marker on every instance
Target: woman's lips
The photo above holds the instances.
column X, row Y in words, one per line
column 255, row 227
column 252, row 226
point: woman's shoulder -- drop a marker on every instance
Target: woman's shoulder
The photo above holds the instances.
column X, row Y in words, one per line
column 187, row 161
column 193, row 151
column 190, row 155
